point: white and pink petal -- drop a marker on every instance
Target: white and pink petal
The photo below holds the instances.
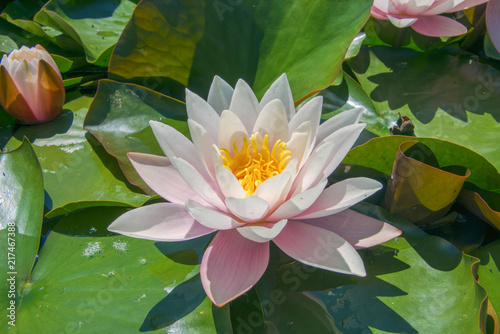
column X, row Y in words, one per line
column 160, row 222
column 211, row 218
column 262, row 232
column 273, row 121
column 248, row 209
column 319, row 248
column 202, row 113
column 231, row 266
column 244, row 104
column 298, row 203
column 220, row 94
column 437, row 26
column 359, row 230
column 280, row 89
column 161, row 176
column 341, row 196
column 203, row 188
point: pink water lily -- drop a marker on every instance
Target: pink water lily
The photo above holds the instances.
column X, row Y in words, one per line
column 423, row 15
column 493, row 22
column 31, row 86
column 256, row 172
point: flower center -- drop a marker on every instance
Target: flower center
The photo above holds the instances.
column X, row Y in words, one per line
column 255, row 162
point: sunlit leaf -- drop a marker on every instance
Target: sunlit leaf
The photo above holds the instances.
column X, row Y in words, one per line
column 21, row 213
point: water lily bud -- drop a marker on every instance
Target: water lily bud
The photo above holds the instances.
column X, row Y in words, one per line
column 31, row 86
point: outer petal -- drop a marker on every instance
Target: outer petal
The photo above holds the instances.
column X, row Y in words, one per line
column 437, row 26
column 466, row 4
column 280, row 89
column 378, row 14
column 175, row 144
column 211, row 218
column 50, row 92
column 244, row 104
column 249, row 209
column 339, row 121
column 319, row 248
column 262, row 232
column 202, row 113
column 220, row 94
column 441, row 6
column 298, row 203
column 273, row 121
column 163, row 178
column 231, row 265
column 341, row 196
column 493, row 22
column 161, row 222
column 12, row 100
column 43, row 54
column 359, row 230
column 25, row 77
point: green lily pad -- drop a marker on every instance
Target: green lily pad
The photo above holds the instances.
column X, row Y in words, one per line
column 419, row 191
column 488, row 272
column 169, row 45
column 76, row 167
column 416, row 283
column 475, row 203
column 94, row 25
column 379, row 154
column 90, row 280
column 349, row 95
column 446, row 96
column 119, row 118
column 21, row 214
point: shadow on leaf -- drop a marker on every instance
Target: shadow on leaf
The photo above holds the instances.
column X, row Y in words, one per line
column 180, row 302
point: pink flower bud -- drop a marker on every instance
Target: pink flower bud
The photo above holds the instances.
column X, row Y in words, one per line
column 31, row 86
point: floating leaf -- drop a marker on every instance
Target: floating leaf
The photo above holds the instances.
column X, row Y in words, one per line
column 89, row 279
column 420, row 192
column 76, row 168
column 119, row 118
column 21, row 214
column 446, row 96
column 476, row 204
column 488, row 272
column 191, row 41
column 379, row 154
column 95, row 25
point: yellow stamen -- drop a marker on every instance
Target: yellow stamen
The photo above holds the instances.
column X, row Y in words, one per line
column 255, row 163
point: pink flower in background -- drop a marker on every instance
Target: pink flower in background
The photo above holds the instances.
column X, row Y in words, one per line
column 493, row 22
column 31, row 86
column 423, row 15
column 256, row 172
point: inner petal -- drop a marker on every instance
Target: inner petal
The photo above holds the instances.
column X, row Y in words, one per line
column 256, row 161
